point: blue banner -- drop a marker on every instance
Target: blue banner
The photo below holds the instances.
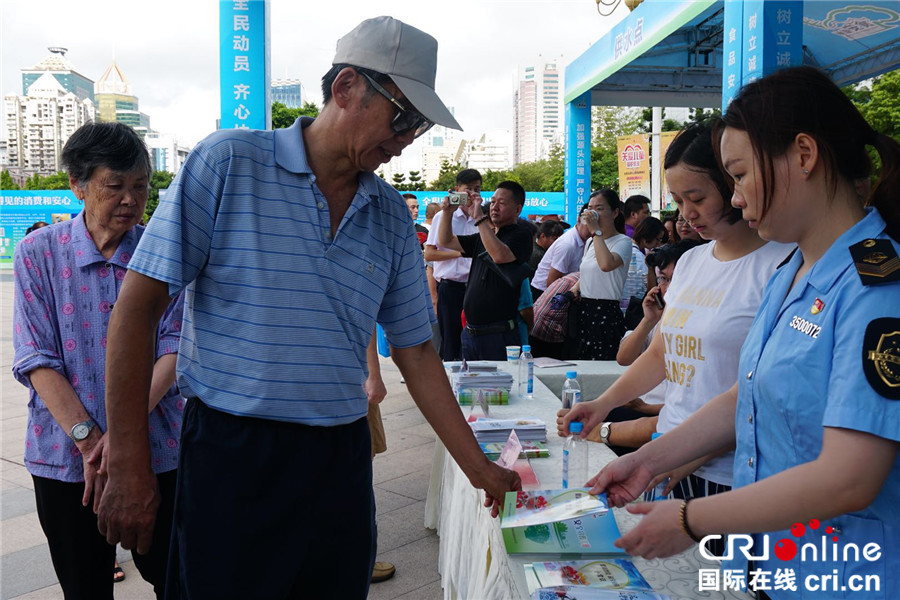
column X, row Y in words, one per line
column 536, row 203
column 578, row 155
column 244, row 71
column 732, row 50
column 20, row 209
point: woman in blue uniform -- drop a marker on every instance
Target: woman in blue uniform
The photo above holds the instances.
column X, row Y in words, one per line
column 815, row 414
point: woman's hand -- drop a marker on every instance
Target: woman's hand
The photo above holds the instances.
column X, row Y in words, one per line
column 659, row 533
column 590, row 414
column 590, row 218
column 652, row 311
column 623, row 480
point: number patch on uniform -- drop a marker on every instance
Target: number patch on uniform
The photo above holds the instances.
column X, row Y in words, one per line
column 805, row 327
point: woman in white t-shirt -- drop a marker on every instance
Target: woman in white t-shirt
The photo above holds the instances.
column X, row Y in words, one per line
column 715, row 292
column 604, row 267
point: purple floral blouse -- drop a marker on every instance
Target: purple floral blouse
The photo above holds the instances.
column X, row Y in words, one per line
column 64, row 292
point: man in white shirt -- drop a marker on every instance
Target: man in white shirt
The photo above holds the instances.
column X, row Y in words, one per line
column 451, row 271
column 564, row 255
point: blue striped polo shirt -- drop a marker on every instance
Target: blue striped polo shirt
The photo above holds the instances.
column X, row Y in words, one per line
column 277, row 314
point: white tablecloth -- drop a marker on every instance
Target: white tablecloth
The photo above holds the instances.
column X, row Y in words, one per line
column 473, row 561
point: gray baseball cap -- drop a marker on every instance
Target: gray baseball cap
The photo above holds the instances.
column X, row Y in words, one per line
column 406, row 54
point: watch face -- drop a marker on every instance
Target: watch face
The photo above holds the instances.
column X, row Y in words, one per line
column 80, row 432
column 604, row 432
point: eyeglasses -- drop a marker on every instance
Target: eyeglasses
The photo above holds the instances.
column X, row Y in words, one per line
column 663, row 279
column 406, row 119
column 681, row 220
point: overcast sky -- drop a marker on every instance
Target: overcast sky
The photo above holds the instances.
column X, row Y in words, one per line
column 168, row 49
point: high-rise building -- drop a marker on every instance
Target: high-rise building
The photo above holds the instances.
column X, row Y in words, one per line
column 117, row 103
column 490, row 152
column 538, row 109
column 165, row 152
column 39, row 124
column 63, row 71
column 289, row 92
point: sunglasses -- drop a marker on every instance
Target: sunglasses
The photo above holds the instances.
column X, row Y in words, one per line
column 406, row 119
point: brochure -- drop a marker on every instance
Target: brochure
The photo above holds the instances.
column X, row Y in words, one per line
column 498, row 430
column 588, row 535
column 493, row 396
column 544, row 362
column 547, row 506
column 581, row 592
column 609, row 573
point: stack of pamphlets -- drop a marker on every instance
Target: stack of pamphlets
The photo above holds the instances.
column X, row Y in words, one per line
column 567, row 523
column 529, row 450
column 529, row 429
column 473, row 366
column 606, row 573
column 493, row 396
column 583, row 592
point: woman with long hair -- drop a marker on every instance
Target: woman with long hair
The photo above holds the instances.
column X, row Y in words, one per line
column 815, row 415
column 604, row 268
column 715, row 291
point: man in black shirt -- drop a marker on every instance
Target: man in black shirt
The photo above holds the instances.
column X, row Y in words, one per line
column 500, row 252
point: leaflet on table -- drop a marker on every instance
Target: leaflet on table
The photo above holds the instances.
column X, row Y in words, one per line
column 581, row 537
column 529, row 450
column 544, row 362
column 581, row 592
column 498, row 430
column 608, row 573
column 521, row 509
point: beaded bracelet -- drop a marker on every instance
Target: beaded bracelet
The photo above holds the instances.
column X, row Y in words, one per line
column 482, row 220
column 682, row 518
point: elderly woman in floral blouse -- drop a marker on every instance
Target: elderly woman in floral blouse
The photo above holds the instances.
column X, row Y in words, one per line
column 67, row 279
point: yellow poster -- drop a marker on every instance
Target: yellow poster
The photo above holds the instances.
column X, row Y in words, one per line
column 634, row 165
column 665, row 138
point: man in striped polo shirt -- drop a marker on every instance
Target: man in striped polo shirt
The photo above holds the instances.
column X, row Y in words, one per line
column 290, row 249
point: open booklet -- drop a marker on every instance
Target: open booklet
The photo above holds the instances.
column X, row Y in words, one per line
column 552, row 524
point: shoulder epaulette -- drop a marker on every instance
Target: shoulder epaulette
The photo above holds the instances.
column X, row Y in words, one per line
column 876, row 261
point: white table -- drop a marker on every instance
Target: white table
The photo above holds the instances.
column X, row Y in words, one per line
column 473, row 561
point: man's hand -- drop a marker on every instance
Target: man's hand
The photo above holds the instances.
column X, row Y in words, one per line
column 128, row 510
column 93, row 457
column 375, row 389
column 498, row 481
column 623, row 480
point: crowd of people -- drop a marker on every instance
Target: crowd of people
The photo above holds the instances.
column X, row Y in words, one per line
column 780, row 266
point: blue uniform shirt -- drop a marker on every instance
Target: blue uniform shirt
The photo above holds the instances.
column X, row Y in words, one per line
column 801, row 370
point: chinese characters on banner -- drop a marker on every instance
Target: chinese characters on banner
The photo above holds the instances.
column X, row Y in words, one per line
column 634, row 165
column 20, row 209
column 760, row 36
column 244, row 64
column 578, row 163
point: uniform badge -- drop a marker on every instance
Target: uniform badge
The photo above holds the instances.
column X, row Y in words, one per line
column 817, row 307
column 881, row 356
column 876, row 261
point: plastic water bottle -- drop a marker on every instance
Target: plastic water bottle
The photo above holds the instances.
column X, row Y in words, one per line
column 571, row 391
column 575, row 458
column 636, row 282
column 658, row 492
column 526, row 373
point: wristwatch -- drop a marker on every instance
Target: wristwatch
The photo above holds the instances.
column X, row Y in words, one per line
column 604, row 432
column 80, row 431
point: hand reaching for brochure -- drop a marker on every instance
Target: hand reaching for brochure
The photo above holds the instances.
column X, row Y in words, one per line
column 623, row 480
column 659, row 533
column 498, row 482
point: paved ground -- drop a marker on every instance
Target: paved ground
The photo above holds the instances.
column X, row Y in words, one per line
column 401, row 480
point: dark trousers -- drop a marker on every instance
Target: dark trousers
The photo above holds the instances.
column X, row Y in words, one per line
column 491, row 346
column 450, row 306
column 268, row 509
column 82, row 559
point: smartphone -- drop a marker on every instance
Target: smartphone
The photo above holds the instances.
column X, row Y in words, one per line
column 659, row 301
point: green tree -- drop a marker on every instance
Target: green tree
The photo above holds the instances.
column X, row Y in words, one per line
column 882, row 110
column 446, row 176
column 158, row 180
column 415, row 182
column 57, row 181
column 399, row 180
column 667, row 124
column 282, row 116
column 6, row 181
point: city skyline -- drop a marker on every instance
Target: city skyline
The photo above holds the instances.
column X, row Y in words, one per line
column 170, row 54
